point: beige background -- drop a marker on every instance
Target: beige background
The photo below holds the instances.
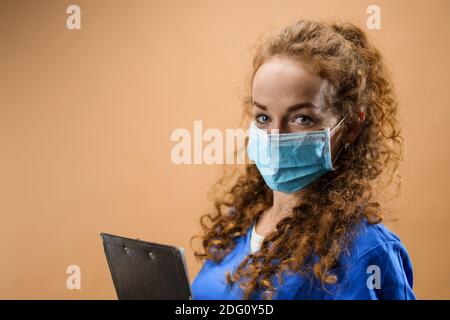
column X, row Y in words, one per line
column 86, row 117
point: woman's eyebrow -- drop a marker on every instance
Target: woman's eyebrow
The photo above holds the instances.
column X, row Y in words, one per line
column 289, row 109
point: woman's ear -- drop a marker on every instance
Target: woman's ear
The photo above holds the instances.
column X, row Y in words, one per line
column 362, row 116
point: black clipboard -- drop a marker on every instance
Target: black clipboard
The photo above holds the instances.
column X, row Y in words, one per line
column 143, row 270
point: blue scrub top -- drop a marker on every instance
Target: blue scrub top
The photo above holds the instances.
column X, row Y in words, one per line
column 377, row 267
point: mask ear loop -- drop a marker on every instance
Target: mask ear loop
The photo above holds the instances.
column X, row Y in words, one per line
column 340, row 150
column 339, row 123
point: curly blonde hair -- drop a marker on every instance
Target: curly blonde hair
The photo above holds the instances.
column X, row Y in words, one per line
column 323, row 221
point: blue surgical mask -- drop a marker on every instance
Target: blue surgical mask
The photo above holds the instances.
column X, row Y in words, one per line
column 289, row 162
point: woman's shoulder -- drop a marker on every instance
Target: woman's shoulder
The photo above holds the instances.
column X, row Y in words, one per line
column 376, row 266
column 374, row 241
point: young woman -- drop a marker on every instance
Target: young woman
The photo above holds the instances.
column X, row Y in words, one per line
column 301, row 221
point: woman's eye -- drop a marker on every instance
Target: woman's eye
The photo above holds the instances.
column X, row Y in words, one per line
column 303, row 121
column 262, row 118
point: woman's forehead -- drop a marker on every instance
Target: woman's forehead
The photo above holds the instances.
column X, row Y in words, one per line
column 283, row 82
